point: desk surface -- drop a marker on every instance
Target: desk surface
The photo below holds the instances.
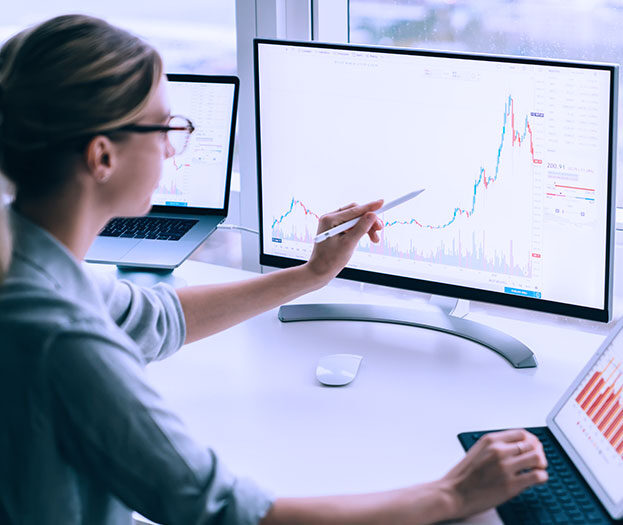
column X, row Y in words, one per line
column 395, row 424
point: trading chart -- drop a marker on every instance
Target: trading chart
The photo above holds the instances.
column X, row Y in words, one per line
column 514, row 171
column 197, row 178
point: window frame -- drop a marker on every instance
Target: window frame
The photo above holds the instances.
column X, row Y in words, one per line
column 290, row 19
column 285, row 19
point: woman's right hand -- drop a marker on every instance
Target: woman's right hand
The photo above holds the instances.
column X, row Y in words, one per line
column 497, row 468
column 331, row 255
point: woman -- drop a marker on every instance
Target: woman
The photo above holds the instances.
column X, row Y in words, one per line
column 85, row 438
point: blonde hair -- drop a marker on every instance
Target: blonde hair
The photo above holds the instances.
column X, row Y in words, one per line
column 61, row 83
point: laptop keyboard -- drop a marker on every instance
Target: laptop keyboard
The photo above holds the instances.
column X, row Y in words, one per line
column 565, row 498
column 158, row 228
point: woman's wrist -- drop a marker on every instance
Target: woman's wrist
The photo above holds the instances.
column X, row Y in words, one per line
column 315, row 275
column 449, row 500
column 434, row 502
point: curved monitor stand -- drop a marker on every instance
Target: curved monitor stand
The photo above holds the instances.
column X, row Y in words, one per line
column 515, row 352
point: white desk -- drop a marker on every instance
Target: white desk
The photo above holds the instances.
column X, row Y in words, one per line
column 395, row 425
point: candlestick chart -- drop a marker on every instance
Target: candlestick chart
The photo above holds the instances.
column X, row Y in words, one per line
column 478, row 232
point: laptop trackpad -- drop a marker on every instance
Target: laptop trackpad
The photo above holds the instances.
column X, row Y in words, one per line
column 163, row 254
column 110, row 248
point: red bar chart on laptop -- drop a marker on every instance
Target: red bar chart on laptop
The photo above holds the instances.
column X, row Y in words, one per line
column 602, row 402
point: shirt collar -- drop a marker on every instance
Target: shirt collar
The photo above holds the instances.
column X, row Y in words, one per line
column 34, row 246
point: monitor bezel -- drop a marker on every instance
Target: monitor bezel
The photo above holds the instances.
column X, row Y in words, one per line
column 208, row 79
column 463, row 292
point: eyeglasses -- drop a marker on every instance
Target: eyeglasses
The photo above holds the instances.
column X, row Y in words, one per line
column 178, row 131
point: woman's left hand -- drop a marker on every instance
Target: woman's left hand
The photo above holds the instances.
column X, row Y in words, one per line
column 331, row 255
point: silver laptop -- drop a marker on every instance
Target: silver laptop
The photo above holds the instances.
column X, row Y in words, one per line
column 583, row 442
column 193, row 196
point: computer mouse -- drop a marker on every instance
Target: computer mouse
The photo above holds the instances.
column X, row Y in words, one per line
column 337, row 369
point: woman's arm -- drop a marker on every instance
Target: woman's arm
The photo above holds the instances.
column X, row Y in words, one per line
column 211, row 308
column 498, row 467
column 114, row 430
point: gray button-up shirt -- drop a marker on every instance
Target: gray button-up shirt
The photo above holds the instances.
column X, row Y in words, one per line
column 83, row 435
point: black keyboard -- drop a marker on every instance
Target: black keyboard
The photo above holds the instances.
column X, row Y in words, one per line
column 159, row 228
column 565, row 498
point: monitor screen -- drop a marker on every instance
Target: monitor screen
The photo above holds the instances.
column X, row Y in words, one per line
column 515, row 155
column 198, row 177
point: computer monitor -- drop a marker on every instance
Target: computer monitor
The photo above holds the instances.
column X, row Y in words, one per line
column 516, row 155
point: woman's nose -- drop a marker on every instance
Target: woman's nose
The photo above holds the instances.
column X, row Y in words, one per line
column 169, row 151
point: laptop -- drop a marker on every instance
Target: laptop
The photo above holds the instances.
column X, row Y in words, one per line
column 193, row 196
column 583, row 442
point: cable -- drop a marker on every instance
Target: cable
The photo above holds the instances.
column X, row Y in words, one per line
column 235, row 227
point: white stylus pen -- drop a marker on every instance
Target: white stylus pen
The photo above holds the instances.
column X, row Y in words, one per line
column 349, row 224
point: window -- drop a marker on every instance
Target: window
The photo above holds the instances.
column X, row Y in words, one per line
column 578, row 30
column 194, row 36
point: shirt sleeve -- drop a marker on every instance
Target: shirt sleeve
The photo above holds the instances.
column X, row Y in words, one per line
column 113, row 428
column 152, row 317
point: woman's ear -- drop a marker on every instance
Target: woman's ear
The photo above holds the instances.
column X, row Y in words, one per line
column 100, row 158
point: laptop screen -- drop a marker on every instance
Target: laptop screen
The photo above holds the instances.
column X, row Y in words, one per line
column 590, row 418
column 199, row 178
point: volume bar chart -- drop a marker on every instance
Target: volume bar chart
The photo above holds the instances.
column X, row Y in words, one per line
column 601, row 401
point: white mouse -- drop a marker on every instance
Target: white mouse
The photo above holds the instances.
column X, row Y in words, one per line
column 337, row 369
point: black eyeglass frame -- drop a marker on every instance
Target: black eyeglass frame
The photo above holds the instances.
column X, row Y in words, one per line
column 151, row 128
column 82, row 140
